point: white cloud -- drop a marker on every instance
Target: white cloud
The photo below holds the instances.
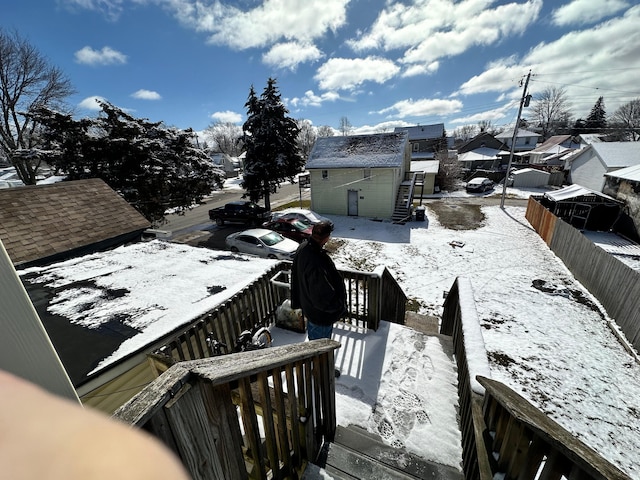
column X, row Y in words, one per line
column 268, row 23
column 91, row 103
column 227, row 116
column 606, row 65
column 290, row 54
column 310, row 99
column 582, row 12
column 488, row 115
column 348, row 73
column 422, row 108
column 433, row 29
column 143, row 94
column 106, row 56
column 421, row 69
column 110, row 8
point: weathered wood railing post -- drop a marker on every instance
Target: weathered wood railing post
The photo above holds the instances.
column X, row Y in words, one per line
column 258, row 414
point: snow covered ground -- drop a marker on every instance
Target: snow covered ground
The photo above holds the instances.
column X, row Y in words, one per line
column 546, row 336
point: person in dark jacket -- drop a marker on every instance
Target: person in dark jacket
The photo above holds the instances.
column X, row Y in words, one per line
column 316, row 285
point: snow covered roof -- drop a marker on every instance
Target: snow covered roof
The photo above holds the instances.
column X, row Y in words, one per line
column 423, row 132
column 528, row 171
column 482, row 153
column 618, row 154
column 629, row 173
column 508, row 134
column 383, row 150
column 573, row 191
column 99, row 309
column 426, row 166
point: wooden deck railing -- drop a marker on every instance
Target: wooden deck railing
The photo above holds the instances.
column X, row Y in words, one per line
column 259, row 414
column 371, row 297
column 528, row 445
column 503, row 435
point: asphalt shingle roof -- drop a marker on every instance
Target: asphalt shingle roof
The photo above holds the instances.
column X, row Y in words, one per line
column 41, row 221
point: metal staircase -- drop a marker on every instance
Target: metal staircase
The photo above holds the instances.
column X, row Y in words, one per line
column 404, row 199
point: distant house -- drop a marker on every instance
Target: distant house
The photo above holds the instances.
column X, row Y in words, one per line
column 624, row 185
column 551, row 151
column 425, row 140
column 45, row 223
column 589, row 165
column 358, row 175
column 231, row 165
column 525, row 140
column 483, row 151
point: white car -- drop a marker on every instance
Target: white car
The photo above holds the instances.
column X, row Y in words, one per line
column 263, row 243
column 308, row 216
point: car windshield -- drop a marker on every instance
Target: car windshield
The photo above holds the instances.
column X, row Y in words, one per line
column 271, row 238
column 300, row 225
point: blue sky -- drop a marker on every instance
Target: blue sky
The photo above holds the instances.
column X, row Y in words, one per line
column 381, row 64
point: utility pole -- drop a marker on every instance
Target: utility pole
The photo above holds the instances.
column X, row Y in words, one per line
column 524, row 102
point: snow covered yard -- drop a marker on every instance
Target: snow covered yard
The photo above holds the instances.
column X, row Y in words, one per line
column 546, row 336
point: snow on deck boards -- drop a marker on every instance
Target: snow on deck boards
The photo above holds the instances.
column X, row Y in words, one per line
column 624, row 249
column 399, row 384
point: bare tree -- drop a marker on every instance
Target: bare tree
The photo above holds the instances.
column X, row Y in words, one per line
column 345, row 126
column 306, row 137
column 488, row 127
column 325, row 131
column 550, row 111
column 226, row 137
column 626, row 121
column 449, row 170
column 27, row 82
column 464, row 133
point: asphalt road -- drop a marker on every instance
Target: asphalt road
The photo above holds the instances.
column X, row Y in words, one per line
column 195, row 228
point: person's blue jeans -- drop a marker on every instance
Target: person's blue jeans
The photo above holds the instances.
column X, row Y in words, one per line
column 314, row 332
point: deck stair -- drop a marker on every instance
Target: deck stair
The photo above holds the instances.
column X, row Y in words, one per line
column 359, row 454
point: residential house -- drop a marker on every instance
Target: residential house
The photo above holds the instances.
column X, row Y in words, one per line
column 358, row 175
column 45, row 223
column 589, row 165
column 484, row 152
column 231, row 165
column 624, row 185
column 552, row 151
column 425, row 140
column 525, row 140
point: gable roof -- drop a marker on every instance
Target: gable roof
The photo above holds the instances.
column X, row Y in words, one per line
column 618, row 154
column 483, row 139
column 553, row 144
column 629, row 173
column 45, row 222
column 423, row 132
column 508, row 134
column 382, row 150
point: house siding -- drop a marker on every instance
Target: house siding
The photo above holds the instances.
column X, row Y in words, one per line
column 588, row 170
column 375, row 198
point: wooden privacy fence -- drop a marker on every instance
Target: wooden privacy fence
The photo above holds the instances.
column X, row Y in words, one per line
column 613, row 283
column 371, row 297
column 503, row 435
column 261, row 414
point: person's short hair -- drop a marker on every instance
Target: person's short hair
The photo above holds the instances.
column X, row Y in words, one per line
column 321, row 230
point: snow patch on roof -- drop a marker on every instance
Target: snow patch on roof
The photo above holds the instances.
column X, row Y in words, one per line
column 384, row 150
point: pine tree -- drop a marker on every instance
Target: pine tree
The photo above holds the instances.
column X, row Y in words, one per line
column 270, row 139
column 597, row 119
column 153, row 167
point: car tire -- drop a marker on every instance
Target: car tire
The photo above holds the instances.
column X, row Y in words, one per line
column 219, row 221
column 234, row 249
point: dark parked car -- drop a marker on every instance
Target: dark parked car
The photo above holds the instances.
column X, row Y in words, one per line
column 240, row 212
column 479, row 184
column 307, row 216
column 291, row 228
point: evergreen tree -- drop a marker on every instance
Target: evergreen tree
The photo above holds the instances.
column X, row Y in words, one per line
column 270, row 139
column 154, row 168
column 597, row 119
